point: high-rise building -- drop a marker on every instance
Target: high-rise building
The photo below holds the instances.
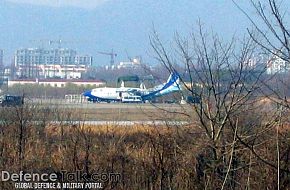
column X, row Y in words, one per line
column 29, row 62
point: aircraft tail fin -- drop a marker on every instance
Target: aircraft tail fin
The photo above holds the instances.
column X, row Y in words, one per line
column 122, row 84
column 173, row 80
column 142, row 86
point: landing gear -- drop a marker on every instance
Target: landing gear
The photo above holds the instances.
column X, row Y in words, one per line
column 95, row 101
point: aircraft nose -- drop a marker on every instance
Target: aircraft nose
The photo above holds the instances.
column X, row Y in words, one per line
column 87, row 93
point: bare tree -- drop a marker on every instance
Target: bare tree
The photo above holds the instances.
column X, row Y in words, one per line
column 271, row 29
column 228, row 84
column 271, row 33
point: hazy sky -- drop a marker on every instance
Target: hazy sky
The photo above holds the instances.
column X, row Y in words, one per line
column 90, row 26
column 89, row 4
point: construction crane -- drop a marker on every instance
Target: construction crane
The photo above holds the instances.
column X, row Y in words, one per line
column 112, row 54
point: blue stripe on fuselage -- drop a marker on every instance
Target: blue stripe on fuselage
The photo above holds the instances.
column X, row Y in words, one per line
column 96, row 98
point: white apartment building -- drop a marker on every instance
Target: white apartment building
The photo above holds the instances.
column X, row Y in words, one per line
column 277, row 65
column 132, row 64
column 62, row 71
column 43, row 63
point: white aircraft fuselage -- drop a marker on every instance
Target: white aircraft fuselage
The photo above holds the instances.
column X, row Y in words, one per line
column 117, row 94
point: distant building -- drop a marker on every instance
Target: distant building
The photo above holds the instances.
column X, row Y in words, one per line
column 56, row 82
column 43, row 63
column 277, row 65
column 57, row 71
column 250, row 63
column 6, row 73
column 132, row 64
column 255, row 63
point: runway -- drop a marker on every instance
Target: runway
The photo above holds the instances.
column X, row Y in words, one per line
column 89, row 105
column 110, row 113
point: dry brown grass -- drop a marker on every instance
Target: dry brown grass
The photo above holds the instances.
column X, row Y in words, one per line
column 55, row 130
column 147, row 156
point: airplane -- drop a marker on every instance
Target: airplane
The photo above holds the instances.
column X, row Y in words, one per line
column 131, row 95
